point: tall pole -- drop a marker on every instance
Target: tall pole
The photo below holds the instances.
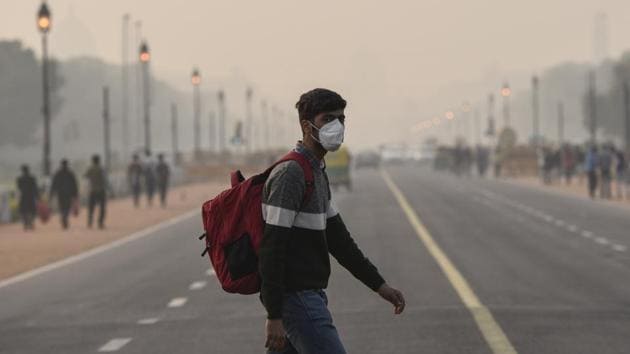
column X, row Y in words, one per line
column 560, row 123
column 506, row 92
column 46, row 106
column 144, row 60
column 196, row 81
column 249, row 135
column 212, row 132
column 491, row 131
column 626, row 104
column 265, row 125
column 221, row 99
column 106, row 133
column 138, row 83
column 175, row 134
column 592, row 107
column 43, row 23
column 535, row 112
column 125, row 87
column 477, row 127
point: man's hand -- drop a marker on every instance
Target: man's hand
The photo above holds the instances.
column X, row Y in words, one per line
column 276, row 336
column 394, row 296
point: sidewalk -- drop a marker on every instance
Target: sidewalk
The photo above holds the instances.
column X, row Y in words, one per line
column 575, row 188
column 22, row 251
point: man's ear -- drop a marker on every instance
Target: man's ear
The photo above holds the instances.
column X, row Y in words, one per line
column 306, row 128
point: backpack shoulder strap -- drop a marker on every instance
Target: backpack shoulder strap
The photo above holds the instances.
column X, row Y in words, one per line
column 306, row 167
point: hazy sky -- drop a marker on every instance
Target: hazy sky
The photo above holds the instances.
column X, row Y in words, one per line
column 400, row 51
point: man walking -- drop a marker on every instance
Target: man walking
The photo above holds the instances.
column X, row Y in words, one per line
column 64, row 185
column 134, row 177
column 605, row 167
column 29, row 194
column 591, row 163
column 97, row 181
column 299, row 234
column 163, row 173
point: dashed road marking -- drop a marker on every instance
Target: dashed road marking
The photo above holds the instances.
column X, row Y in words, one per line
column 602, row 240
column 148, row 321
column 114, row 345
column 572, row 228
column 197, row 285
column 559, row 223
column 587, row 234
column 619, row 248
column 548, row 218
column 178, row 302
column 210, row 272
column 496, row 339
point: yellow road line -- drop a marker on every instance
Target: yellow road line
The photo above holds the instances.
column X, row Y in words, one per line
column 490, row 329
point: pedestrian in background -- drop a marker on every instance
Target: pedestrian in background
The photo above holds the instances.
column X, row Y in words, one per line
column 134, row 177
column 149, row 177
column 605, row 168
column 620, row 172
column 64, row 186
column 590, row 166
column 97, row 180
column 163, row 173
column 29, row 194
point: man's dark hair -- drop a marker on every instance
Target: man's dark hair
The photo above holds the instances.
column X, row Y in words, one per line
column 317, row 101
column 25, row 169
column 96, row 159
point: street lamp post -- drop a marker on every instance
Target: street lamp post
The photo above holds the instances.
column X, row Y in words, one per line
column 626, row 106
column 506, row 92
column 592, row 107
column 535, row 108
column 106, row 129
column 221, row 123
column 43, row 23
column 145, row 58
column 175, row 135
column 249, row 93
column 196, row 81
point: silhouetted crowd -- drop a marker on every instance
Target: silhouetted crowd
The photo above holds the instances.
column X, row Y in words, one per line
column 146, row 175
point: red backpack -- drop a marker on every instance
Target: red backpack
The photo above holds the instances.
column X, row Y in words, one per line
column 233, row 224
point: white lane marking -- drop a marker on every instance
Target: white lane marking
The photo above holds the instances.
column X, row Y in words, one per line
column 619, row 248
column 548, row 218
column 587, row 234
column 114, row 345
column 148, row 321
column 178, row 302
column 103, row 248
column 559, row 223
column 197, row 285
column 210, row 272
column 602, row 240
column 572, row 228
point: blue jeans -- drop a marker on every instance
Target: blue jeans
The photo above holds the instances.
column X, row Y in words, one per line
column 309, row 325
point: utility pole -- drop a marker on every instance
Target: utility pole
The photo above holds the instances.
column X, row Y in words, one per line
column 138, row 83
column 222, row 123
column 196, row 81
column 592, row 106
column 175, row 135
column 626, row 106
column 477, row 127
column 560, row 123
column 125, row 87
column 212, row 124
column 265, row 124
column 145, row 57
column 535, row 108
column 249, row 135
column 44, row 23
column 106, row 135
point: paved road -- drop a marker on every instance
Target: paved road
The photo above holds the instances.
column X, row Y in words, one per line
column 554, row 271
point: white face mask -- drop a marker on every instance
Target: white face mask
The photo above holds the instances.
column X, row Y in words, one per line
column 330, row 135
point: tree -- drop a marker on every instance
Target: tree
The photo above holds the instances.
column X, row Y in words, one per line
column 21, row 94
